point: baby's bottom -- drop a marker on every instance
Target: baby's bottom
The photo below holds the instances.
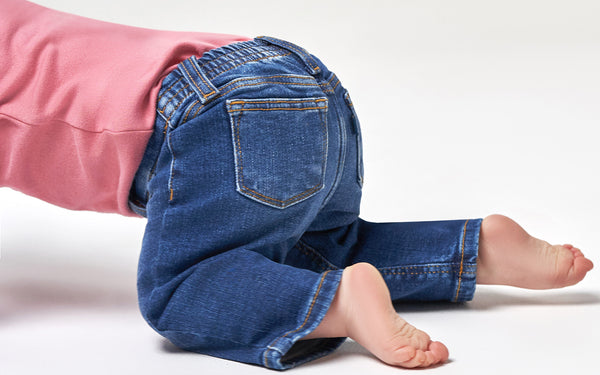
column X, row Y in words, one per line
column 251, row 184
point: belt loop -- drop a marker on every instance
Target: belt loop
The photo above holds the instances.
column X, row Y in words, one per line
column 194, row 75
column 306, row 57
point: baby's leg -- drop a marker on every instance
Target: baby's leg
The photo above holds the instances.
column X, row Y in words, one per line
column 391, row 261
column 362, row 307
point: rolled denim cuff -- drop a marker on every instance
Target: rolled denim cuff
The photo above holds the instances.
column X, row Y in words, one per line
column 287, row 351
column 467, row 272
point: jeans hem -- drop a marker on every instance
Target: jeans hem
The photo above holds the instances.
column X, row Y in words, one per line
column 469, row 251
column 287, row 351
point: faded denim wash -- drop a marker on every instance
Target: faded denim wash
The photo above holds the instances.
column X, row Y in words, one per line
column 251, row 184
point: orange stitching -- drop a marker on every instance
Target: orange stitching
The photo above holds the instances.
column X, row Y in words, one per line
column 167, row 90
column 254, row 84
column 239, row 150
column 198, row 110
column 324, row 143
column 286, row 202
column 276, row 109
column 315, row 255
column 259, row 83
column 254, row 193
column 422, row 273
column 300, row 50
column 190, row 110
column 173, row 97
column 279, row 101
column 314, row 300
column 203, row 81
column 178, row 105
column 428, row 266
column 275, row 76
column 273, row 82
column 190, row 76
column 272, row 77
column 462, row 257
column 172, row 167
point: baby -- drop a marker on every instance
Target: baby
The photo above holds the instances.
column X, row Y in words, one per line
column 245, row 156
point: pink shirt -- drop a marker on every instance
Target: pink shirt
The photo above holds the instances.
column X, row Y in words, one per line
column 77, row 102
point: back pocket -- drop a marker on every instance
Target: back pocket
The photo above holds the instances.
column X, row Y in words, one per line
column 280, row 148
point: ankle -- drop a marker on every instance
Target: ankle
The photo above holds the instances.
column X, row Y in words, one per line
column 334, row 323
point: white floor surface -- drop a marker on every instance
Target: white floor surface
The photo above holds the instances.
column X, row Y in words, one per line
column 467, row 107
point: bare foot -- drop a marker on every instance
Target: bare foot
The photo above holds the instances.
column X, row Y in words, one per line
column 510, row 256
column 362, row 310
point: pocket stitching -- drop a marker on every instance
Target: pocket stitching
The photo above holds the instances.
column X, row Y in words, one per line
column 242, row 188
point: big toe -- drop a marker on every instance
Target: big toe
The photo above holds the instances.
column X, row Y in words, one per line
column 440, row 351
column 581, row 266
column 577, row 268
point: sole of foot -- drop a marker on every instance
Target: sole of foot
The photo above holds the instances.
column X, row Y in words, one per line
column 508, row 255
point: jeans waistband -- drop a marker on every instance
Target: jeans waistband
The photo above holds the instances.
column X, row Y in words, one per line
column 197, row 80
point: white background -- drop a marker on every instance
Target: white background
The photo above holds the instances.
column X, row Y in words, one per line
column 467, row 107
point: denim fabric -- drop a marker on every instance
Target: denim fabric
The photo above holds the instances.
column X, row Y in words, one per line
column 251, row 184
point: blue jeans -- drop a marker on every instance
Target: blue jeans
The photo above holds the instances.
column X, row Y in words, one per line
column 251, row 184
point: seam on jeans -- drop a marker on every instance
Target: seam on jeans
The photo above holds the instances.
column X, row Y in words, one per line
column 265, row 79
column 172, row 169
column 306, row 78
column 268, row 82
column 255, row 84
column 168, row 120
column 240, row 166
column 198, row 110
column 257, row 195
column 196, row 83
column 279, row 101
column 277, row 109
column 168, row 89
column 416, row 266
column 312, row 304
column 413, row 269
column 337, row 81
column 327, row 85
column 284, row 203
column 209, row 84
column 315, row 255
column 462, row 258
column 424, row 273
column 190, row 110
